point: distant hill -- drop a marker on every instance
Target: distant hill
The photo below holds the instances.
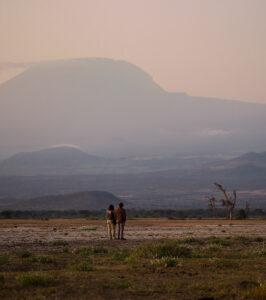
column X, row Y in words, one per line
column 51, row 161
column 113, row 107
column 173, row 188
column 177, row 187
column 247, row 161
column 69, row 160
column 93, row 200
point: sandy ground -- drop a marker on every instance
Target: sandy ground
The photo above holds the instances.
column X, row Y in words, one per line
column 29, row 231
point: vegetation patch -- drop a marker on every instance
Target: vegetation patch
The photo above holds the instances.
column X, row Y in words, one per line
column 4, row 259
column 248, row 284
column 193, row 241
column 259, row 239
column 41, row 259
column 120, row 254
column 164, row 262
column 225, row 242
column 89, row 228
column 23, row 254
column 223, row 263
column 2, row 280
column 123, row 284
column 87, row 251
column 261, row 253
column 59, row 243
column 244, row 239
column 84, row 266
column 35, row 279
column 256, row 293
column 166, row 248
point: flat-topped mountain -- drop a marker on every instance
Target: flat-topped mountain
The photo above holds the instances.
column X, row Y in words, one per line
column 113, row 107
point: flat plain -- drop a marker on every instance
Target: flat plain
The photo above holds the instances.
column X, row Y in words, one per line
column 161, row 258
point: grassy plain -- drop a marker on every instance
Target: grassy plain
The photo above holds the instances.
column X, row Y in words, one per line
column 186, row 266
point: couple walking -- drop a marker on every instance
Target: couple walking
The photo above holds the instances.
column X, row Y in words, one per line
column 116, row 216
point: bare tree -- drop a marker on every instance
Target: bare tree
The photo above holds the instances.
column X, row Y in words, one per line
column 212, row 205
column 247, row 209
column 229, row 200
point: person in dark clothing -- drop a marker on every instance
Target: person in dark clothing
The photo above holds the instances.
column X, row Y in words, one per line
column 121, row 217
column 111, row 222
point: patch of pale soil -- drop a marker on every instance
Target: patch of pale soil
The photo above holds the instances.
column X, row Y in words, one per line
column 30, row 231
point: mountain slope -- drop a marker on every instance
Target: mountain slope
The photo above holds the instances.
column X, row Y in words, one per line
column 93, row 200
column 113, row 107
column 51, row 161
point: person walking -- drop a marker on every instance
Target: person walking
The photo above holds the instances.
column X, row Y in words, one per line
column 111, row 222
column 121, row 218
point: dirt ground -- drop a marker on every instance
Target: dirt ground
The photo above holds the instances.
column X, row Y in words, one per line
column 30, row 231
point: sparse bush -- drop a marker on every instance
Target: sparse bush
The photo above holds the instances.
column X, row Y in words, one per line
column 248, row 284
column 2, row 280
column 120, row 255
column 259, row 239
column 225, row 263
column 256, row 293
column 132, row 260
column 23, row 254
column 42, row 259
column 89, row 228
column 84, row 251
column 85, row 266
column 243, row 239
column 59, row 243
column 261, row 253
column 99, row 250
column 35, row 279
column 4, row 259
column 123, row 285
column 220, row 241
column 65, row 250
column 87, row 251
column 165, row 262
column 167, row 248
column 192, row 240
column 210, row 251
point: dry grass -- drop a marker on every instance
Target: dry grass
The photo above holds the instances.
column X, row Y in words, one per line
column 188, row 268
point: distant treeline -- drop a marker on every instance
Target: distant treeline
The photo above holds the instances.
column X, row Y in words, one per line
column 132, row 213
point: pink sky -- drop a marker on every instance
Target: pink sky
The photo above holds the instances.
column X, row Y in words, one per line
column 203, row 47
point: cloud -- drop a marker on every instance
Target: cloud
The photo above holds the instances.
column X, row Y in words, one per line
column 215, row 132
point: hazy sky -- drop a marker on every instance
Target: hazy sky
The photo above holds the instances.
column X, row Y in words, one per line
column 202, row 47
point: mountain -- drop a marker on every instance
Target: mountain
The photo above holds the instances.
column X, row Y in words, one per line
column 114, row 108
column 51, row 161
column 92, row 200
